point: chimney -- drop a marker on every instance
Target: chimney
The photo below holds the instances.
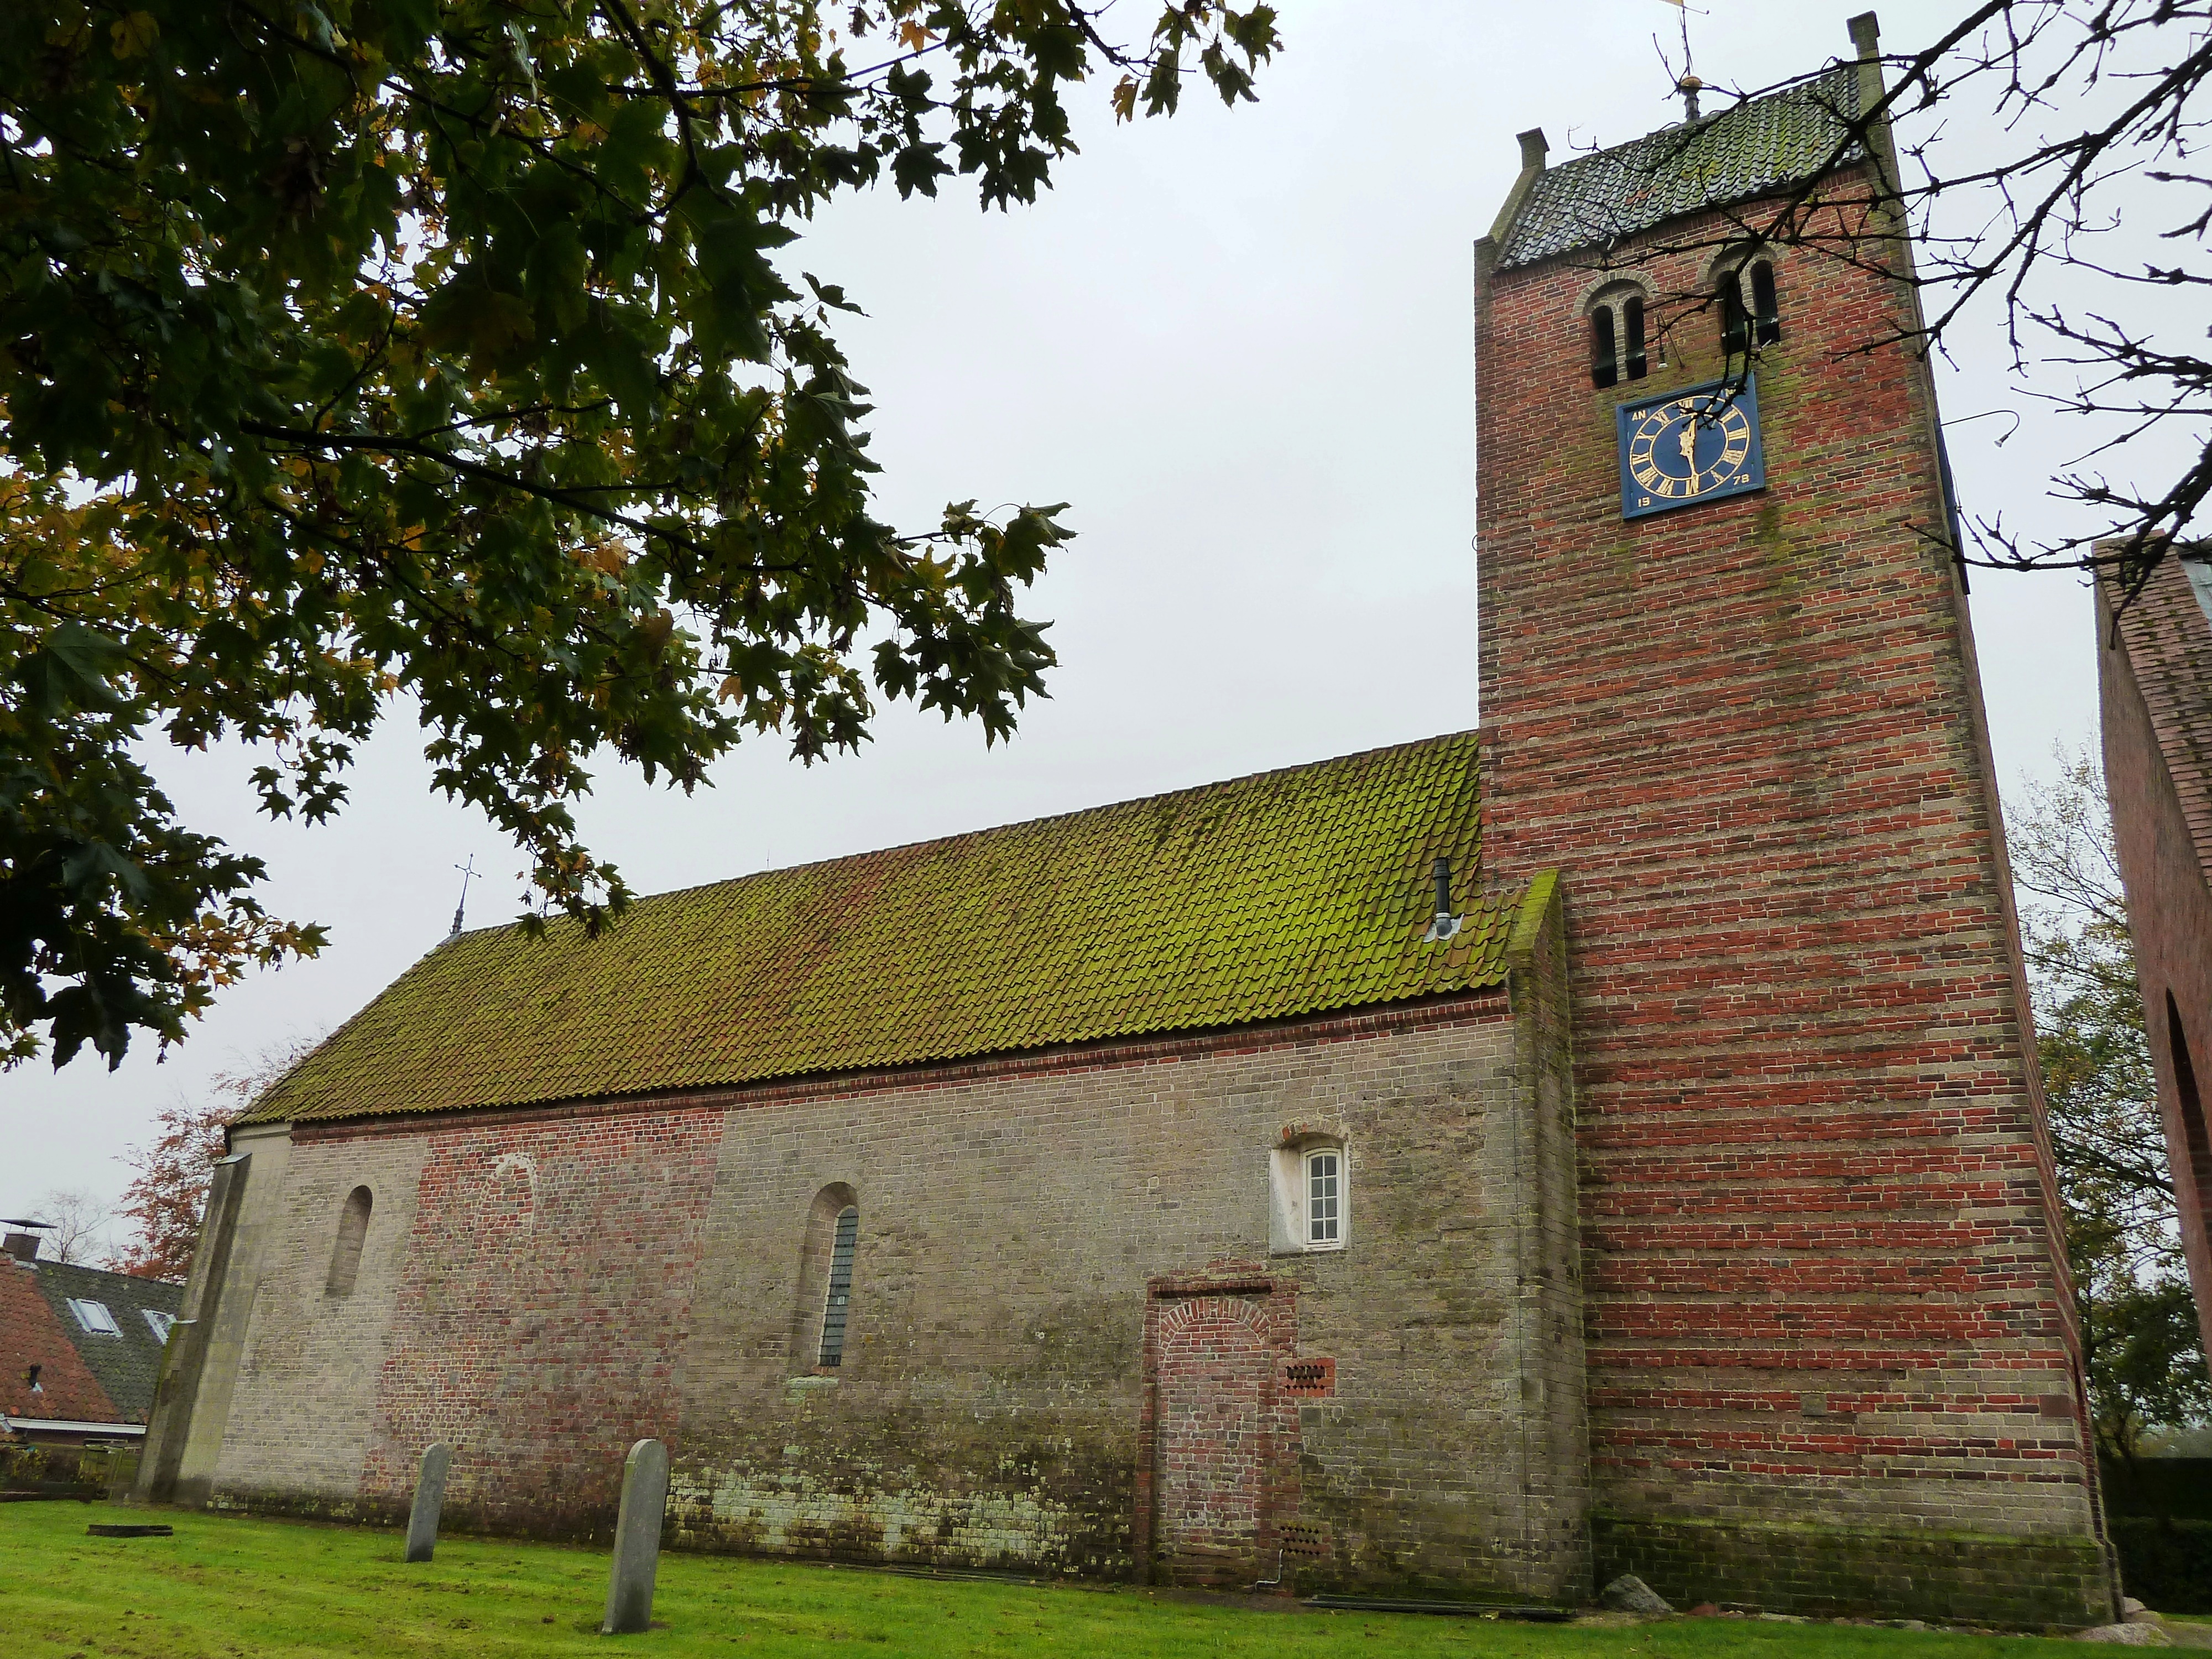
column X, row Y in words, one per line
column 1534, row 146
column 24, row 1246
column 1445, row 924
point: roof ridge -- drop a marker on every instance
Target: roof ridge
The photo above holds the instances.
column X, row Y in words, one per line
column 1738, row 154
column 105, row 1272
column 1743, row 101
column 958, row 835
column 1282, row 893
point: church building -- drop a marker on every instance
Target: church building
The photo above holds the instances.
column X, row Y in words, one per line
column 1608, row 1139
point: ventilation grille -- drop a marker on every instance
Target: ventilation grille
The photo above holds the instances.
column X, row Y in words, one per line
column 1310, row 1377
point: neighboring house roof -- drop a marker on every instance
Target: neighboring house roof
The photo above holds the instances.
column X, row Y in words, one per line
column 2166, row 632
column 128, row 1363
column 1287, row 893
column 1755, row 149
column 31, row 1335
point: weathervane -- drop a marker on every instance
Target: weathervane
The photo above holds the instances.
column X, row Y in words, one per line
column 1688, row 84
column 466, row 869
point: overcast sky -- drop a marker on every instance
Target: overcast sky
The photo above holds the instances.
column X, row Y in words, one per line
column 1239, row 342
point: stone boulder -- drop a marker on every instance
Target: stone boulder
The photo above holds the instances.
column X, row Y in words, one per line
column 1629, row 1594
column 2127, row 1636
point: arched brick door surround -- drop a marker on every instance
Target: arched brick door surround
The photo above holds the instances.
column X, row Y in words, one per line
column 1219, row 1445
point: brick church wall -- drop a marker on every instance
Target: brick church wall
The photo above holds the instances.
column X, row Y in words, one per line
column 2169, row 902
column 541, row 1288
column 1825, row 1286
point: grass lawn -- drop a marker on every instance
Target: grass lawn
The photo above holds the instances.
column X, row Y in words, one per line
column 225, row 1586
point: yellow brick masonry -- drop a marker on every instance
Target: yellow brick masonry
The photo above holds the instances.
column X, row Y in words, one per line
column 643, row 1272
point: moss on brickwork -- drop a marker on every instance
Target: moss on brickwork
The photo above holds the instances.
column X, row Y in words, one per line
column 1776, row 1567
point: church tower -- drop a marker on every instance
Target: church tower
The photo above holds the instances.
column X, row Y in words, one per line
column 1728, row 689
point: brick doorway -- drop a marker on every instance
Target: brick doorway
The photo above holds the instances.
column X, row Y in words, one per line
column 1219, row 1443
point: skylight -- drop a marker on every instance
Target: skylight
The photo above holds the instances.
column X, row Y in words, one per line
column 94, row 1317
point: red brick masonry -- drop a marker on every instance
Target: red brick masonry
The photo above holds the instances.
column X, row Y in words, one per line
column 1827, row 1284
column 2154, row 673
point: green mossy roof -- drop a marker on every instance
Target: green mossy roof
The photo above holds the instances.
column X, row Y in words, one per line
column 1286, row 893
column 1752, row 148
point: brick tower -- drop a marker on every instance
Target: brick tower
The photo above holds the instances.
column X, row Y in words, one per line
column 1832, row 1356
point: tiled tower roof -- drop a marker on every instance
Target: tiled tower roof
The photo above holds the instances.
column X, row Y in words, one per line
column 1752, row 149
column 1284, row 894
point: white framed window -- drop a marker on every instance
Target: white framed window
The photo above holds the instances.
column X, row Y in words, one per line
column 158, row 1322
column 1324, row 1173
column 94, row 1317
column 1309, row 1195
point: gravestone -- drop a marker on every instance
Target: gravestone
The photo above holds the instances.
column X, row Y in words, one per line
column 637, row 1539
column 429, row 1498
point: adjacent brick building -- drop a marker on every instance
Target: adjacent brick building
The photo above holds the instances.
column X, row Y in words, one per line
column 80, row 1348
column 2154, row 675
column 1184, row 1190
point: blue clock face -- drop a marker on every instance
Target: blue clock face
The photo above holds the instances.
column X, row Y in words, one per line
column 1690, row 447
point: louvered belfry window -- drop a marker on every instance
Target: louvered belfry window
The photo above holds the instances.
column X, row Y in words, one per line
column 1766, row 310
column 1735, row 325
column 840, row 1286
column 1605, row 360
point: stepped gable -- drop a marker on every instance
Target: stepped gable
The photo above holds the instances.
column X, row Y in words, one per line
column 1758, row 147
column 1284, row 894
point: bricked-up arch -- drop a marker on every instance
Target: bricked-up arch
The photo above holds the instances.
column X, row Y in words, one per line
column 352, row 1232
column 818, row 1261
column 541, row 1362
column 2195, row 1135
column 1217, row 1455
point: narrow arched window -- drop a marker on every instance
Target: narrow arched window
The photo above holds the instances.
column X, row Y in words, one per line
column 839, row 1303
column 1766, row 314
column 1638, row 362
column 2195, row 1139
column 1735, row 327
column 345, row 1254
column 1605, row 357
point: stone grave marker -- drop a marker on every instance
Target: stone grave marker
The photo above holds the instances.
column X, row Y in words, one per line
column 429, row 1499
column 637, row 1539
